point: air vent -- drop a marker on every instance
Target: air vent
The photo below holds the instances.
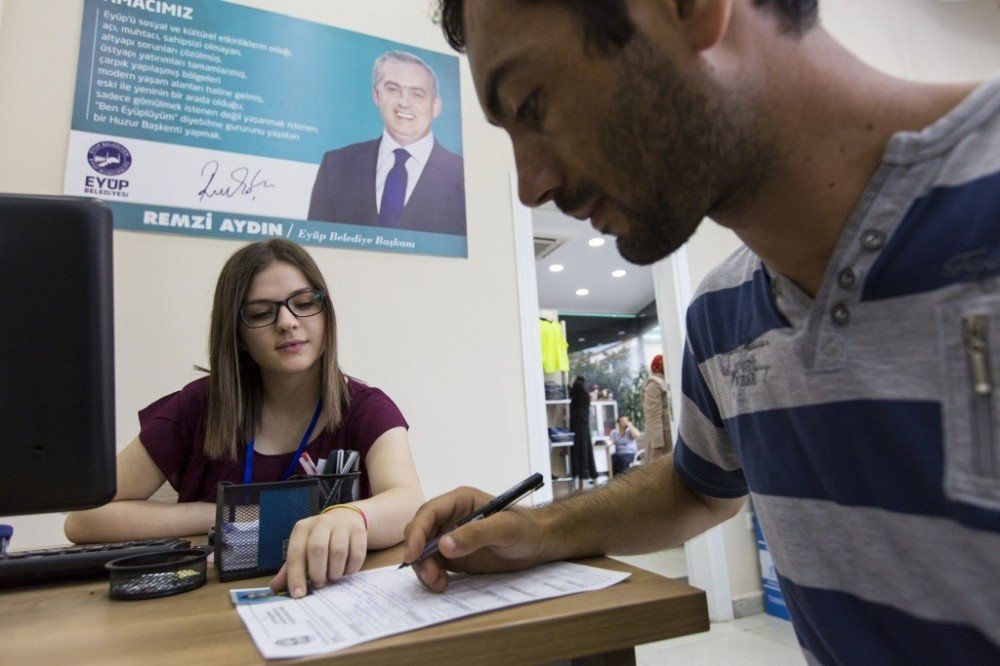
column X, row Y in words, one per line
column 546, row 245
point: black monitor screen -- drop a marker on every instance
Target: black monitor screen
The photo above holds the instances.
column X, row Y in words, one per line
column 57, row 417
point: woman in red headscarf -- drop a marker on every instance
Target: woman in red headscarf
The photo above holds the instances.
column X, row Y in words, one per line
column 656, row 437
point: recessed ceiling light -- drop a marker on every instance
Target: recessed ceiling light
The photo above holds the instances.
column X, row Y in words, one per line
column 581, row 339
column 555, row 268
column 596, row 242
column 618, row 273
column 582, row 292
column 621, row 332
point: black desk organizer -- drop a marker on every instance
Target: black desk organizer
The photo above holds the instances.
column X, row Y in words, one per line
column 253, row 521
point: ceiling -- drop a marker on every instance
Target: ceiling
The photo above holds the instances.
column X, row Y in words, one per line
column 586, row 267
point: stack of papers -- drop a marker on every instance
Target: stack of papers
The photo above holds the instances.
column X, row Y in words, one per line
column 381, row 602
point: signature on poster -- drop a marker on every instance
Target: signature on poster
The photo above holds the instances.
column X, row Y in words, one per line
column 238, row 183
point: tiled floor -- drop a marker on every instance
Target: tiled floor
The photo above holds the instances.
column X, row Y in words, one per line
column 747, row 641
column 757, row 639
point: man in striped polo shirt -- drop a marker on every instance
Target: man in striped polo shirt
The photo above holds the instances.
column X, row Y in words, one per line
column 843, row 368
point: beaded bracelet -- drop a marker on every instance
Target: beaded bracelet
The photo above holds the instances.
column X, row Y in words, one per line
column 361, row 513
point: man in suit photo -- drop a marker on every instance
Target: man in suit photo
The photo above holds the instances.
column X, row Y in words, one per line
column 404, row 179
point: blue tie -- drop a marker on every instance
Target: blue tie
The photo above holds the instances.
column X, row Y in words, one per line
column 394, row 193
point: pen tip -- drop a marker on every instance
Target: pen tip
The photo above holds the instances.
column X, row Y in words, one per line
column 403, row 565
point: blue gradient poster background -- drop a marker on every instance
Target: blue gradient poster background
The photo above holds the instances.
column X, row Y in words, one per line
column 221, row 114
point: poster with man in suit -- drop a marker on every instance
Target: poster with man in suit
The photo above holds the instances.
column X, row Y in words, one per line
column 228, row 143
column 404, row 179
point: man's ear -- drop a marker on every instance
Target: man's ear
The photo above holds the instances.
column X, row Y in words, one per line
column 703, row 22
column 375, row 96
column 436, row 107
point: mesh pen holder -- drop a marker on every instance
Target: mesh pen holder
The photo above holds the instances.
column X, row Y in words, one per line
column 254, row 521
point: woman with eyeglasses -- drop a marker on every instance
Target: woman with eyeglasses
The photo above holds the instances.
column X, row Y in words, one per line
column 274, row 405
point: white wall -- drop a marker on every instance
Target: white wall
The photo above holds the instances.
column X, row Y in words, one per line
column 927, row 40
column 440, row 335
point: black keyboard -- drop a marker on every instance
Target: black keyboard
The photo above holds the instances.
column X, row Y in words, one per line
column 80, row 561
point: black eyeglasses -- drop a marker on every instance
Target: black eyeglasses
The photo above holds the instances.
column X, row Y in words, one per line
column 258, row 314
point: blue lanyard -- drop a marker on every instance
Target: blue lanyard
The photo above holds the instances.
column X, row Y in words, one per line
column 248, row 465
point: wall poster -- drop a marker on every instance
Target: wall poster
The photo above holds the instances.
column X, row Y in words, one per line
column 208, row 118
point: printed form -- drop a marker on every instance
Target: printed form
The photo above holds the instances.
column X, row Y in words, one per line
column 381, row 602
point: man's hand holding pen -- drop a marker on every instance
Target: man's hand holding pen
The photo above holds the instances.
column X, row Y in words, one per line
column 509, row 540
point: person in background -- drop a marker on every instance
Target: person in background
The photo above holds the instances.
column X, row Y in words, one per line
column 582, row 456
column 274, row 399
column 625, row 438
column 840, row 368
column 656, row 438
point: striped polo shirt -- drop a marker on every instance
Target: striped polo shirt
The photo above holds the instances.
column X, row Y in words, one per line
column 865, row 422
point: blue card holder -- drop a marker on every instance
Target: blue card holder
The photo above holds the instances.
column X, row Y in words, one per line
column 253, row 522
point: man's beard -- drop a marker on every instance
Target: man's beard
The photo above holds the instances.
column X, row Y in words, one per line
column 676, row 148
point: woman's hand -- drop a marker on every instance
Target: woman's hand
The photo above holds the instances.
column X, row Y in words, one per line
column 321, row 549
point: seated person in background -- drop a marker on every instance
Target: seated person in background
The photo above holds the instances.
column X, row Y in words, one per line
column 273, row 376
column 624, row 437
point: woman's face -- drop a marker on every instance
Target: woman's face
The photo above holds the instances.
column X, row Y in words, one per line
column 291, row 344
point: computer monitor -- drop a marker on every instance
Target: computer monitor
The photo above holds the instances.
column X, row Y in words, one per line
column 57, row 399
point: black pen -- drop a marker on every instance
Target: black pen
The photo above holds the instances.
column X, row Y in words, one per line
column 498, row 503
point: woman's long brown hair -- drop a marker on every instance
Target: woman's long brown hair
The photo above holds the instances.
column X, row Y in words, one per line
column 235, row 393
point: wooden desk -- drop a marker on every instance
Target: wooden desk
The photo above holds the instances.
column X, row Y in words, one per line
column 77, row 623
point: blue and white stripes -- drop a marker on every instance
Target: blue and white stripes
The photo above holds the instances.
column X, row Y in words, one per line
column 872, row 457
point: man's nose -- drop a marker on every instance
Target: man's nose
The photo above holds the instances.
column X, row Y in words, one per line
column 538, row 174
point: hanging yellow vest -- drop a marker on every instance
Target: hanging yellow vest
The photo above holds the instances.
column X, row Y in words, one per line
column 555, row 358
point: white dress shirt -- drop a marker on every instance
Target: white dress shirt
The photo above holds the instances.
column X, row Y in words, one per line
column 420, row 152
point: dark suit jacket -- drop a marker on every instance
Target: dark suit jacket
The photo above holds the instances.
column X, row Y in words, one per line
column 345, row 190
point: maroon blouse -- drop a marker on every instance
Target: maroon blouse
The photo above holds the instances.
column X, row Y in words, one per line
column 173, row 431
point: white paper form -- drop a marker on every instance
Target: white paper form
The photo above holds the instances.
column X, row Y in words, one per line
column 381, row 602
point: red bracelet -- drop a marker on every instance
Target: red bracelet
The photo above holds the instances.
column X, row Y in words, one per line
column 361, row 513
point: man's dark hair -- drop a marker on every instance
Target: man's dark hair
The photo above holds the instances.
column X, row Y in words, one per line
column 607, row 26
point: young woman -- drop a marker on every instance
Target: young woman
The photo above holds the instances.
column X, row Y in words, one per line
column 275, row 395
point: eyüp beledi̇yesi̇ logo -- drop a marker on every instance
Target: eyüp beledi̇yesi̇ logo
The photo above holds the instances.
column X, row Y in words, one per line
column 109, row 158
